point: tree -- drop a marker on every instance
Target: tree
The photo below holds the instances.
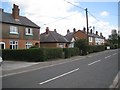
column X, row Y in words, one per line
column 82, row 45
column 113, row 40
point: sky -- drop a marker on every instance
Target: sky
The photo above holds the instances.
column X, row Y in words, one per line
column 68, row 14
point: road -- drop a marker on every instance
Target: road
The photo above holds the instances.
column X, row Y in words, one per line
column 95, row 71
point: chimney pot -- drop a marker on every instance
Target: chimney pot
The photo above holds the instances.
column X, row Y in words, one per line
column 68, row 31
column 101, row 35
column 96, row 32
column 55, row 30
column 74, row 30
column 91, row 31
column 84, row 29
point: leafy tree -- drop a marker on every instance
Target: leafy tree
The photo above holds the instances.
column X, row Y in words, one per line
column 82, row 45
column 113, row 40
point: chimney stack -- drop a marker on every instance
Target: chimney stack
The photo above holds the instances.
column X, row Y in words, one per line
column 15, row 12
column 96, row 32
column 68, row 31
column 55, row 30
column 90, row 31
column 84, row 29
column 74, row 30
column 101, row 35
column 47, row 30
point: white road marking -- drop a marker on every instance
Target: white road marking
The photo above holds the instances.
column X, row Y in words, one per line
column 107, row 56
column 94, row 62
column 59, row 76
column 114, row 53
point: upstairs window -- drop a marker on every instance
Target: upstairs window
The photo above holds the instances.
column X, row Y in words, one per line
column 29, row 31
column 13, row 30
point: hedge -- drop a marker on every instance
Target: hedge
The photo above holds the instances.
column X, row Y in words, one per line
column 69, row 52
column 96, row 48
column 33, row 55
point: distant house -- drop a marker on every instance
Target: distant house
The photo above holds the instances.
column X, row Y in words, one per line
column 52, row 39
column 18, row 32
column 75, row 35
column 94, row 39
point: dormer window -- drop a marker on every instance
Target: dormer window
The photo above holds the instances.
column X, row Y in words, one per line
column 13, row 30
column 29, row 31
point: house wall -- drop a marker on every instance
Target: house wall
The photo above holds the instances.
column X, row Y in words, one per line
column 80, row 35
column 53, row 45
column 48, row 45
column 21, row 37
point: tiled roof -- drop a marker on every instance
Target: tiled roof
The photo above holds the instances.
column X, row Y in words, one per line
column 7, row 18
column 52, row 36
column 96, row 36
column 69, row 36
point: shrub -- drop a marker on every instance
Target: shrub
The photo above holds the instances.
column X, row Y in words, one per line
column 82, row 45
column 69, row 52
column 96, row 48
column 33, row 55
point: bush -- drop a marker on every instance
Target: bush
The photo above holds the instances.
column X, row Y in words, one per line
column 96, row 48
column 33, row 55
column 69, row 52
column 82, row 45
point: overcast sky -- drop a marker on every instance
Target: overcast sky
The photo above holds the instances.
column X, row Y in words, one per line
column 61, row 15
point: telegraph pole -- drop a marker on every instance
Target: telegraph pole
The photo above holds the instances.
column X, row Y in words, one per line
column 87, row 25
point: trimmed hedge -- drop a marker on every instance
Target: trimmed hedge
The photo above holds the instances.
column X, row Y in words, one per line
column 69, row 52
column 96, row 48
column 33, row 55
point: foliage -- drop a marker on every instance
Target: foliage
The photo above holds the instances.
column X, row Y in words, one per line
column 69, row 52
column 33, row 55
column 96, row 48
column 82, row 45
column 113, row 41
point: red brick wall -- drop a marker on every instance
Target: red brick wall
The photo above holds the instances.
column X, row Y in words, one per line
column 21, row 37
column 80, row 35
column 21, row 43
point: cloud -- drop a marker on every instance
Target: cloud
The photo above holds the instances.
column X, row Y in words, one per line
column 58, row 14
column 104, row 13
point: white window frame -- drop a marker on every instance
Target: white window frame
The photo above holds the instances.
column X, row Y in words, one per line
column 90, row 39
column 3, row 44
column 13, row 30
column 28, row 31
column 28, row 45
column 14, row 44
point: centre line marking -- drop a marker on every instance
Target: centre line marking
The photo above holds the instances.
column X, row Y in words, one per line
column 94, row 62
column 58, row 76
column 107, row 56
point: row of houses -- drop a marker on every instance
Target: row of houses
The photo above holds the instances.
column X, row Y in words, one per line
column 18, row 32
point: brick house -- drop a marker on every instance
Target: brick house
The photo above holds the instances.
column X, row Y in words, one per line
column 18, row 32
column 52, row 39
column 75, row 35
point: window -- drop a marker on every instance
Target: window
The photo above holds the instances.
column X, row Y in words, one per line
column 13, row 44
column 90, row 39
column 28, row 45
column 13, row 30
column 2, row 45
column 29, row 31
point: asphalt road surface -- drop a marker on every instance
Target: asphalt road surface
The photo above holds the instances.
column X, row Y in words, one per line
column 96, row 71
